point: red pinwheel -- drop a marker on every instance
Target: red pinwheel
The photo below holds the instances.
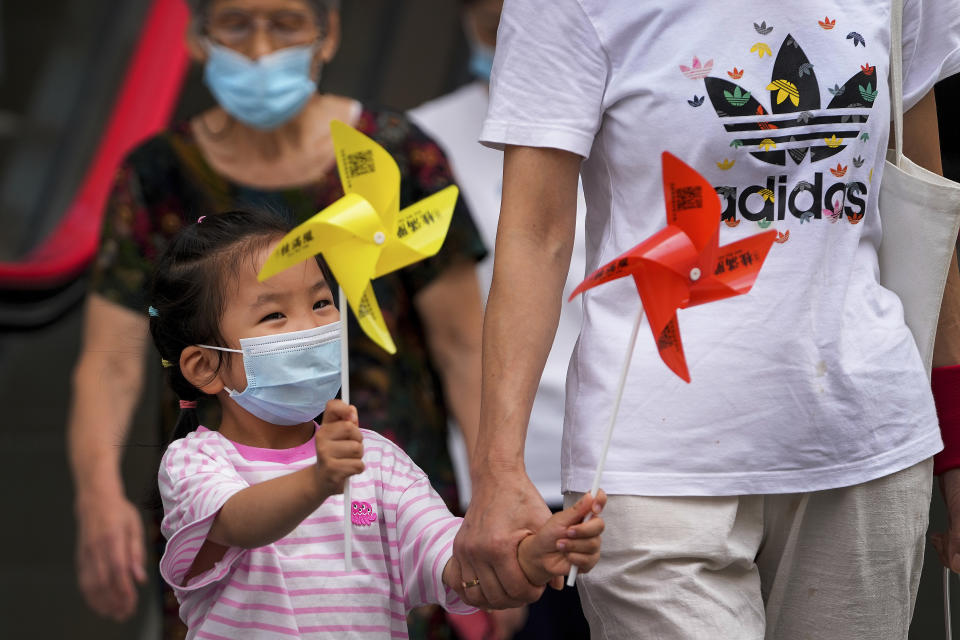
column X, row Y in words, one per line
column 682, row 265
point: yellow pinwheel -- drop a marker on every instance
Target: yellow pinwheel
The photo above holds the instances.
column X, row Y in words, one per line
column 364, row 234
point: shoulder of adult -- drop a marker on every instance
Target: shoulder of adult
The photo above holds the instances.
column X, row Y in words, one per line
column 389, row 127
column 159, row 158
column 394, row 130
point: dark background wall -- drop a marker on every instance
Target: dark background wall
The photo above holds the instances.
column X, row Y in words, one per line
column 60, row 62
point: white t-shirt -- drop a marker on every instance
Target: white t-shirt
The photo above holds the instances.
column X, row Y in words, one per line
column 454, row 121
column 810, row 381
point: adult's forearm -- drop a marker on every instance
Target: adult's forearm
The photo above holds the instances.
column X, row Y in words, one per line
column 519, row 326
column 534, row 243
column 106, row 388
column 946, row 351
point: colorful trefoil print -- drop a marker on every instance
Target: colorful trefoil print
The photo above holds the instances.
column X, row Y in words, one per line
column 789, row 119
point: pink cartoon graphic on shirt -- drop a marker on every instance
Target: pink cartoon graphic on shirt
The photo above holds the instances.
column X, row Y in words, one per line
column 362, row 514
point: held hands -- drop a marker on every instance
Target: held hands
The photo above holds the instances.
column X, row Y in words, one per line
column 563, row 542
column 504, row 509
column 339, row 447
column 546, row 556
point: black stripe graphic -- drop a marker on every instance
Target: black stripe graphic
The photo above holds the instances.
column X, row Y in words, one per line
column 787, row 124
column 800, row 136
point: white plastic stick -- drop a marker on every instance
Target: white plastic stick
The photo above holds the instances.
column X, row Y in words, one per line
column 572, row 578
column 345, row 396
column 946, row 603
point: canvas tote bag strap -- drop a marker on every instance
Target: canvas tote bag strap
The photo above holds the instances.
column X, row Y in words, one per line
column 896, row 105
column 896, row 74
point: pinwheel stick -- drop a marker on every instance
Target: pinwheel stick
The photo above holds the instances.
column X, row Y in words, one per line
column 572, row 578
column 946, row 603
column 345, row 396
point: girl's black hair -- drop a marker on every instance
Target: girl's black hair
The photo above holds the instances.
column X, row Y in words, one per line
column 188, row 291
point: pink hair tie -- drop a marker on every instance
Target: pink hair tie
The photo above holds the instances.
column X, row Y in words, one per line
column 188, row 404
column 200, row 219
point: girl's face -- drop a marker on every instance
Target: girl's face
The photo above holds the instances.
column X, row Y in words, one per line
column 293, row 300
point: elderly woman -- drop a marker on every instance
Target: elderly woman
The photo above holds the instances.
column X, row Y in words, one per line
column 266, row 143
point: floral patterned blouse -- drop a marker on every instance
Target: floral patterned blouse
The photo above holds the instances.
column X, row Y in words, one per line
column 166, row 183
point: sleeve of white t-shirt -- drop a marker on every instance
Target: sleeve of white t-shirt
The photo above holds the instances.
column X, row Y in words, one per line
column 549, row 76
column 196, row 480
column 931, row 46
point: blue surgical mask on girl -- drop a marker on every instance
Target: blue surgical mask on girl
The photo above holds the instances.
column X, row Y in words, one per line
column 263, row 93
column 290, row 376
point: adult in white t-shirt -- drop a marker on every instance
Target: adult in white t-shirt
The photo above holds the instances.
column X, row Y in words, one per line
column 454, row 121
column 779, row 490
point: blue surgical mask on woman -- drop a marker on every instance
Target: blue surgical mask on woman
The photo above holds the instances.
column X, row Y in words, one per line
column 263, row 93
column 290, row 376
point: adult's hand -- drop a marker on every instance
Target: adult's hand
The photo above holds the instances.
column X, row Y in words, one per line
column 110, row 554
column 504, row 508
column 947, row 543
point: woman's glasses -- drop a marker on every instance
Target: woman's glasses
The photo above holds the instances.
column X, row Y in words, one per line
column 236, row 28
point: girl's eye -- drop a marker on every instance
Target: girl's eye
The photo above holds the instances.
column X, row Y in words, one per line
column 276, row 315
column 320, row 304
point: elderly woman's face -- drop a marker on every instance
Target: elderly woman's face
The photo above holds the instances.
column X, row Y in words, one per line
column 258, row 27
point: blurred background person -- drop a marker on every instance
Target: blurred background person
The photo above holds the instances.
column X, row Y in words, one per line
column 454, row 121
column 266, row 143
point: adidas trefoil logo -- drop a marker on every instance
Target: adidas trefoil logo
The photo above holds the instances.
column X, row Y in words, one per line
column 803, row 128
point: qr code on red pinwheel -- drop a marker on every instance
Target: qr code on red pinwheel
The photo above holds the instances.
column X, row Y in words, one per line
column 689, row 198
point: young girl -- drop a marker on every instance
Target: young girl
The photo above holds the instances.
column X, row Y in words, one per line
column 253, row 510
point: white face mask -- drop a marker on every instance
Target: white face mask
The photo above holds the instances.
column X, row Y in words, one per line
column 290, row 376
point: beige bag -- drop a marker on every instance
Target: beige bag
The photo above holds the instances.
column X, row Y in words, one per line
column 920, row 218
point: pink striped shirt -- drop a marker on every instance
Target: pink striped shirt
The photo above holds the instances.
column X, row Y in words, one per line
column 296, row 587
